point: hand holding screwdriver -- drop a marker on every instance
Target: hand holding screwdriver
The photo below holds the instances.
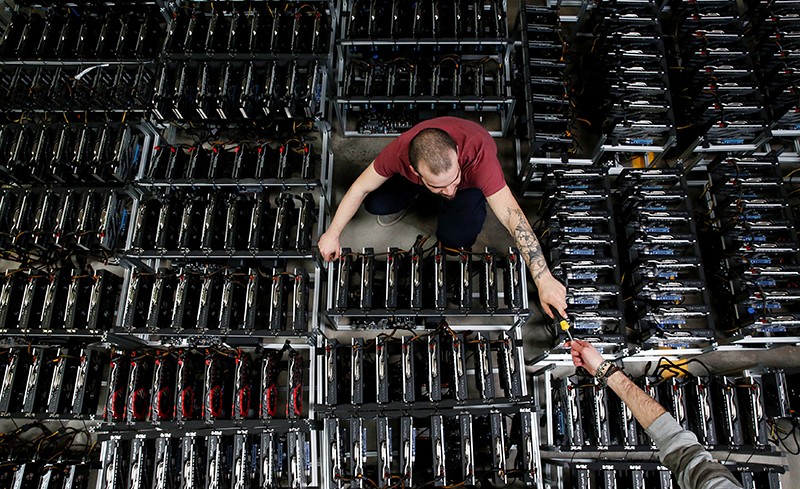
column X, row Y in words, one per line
column 564, row 324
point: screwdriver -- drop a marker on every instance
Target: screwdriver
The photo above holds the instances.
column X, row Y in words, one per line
column 563, row 323
column 565, row 328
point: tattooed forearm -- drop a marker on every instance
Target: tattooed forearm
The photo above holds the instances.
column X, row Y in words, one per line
column 527, row 243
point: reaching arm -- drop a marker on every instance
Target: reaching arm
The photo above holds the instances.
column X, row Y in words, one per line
column 644, row 408
column 552, row 293
column 678, row 449
column 368, row 181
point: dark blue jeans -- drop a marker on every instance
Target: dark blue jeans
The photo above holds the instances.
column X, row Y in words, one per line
column 460, row 219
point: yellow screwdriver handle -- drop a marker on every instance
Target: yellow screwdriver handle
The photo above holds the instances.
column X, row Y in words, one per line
column 565, row 328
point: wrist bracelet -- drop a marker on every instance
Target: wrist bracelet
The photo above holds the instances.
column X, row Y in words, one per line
column 604, row 371
column 601, row 369
column 611, row 371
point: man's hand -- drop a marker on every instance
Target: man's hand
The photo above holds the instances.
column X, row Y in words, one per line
column 329, row 247
column 328, row 243
column 552, row 295
column 585, row 355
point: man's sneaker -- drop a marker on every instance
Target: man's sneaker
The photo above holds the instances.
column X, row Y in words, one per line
column 391, row 219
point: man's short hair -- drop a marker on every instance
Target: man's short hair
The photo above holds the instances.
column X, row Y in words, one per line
column 431, row 146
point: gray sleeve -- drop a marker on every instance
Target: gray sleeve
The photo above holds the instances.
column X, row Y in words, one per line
column 692, row 465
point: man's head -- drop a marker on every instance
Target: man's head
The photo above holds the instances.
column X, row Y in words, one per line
column 434, row 158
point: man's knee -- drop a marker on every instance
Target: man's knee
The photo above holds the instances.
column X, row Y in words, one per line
column 378, row 205
column 461, row 219
column 394, row 195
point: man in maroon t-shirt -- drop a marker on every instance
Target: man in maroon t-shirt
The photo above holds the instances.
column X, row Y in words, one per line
column 456, row 160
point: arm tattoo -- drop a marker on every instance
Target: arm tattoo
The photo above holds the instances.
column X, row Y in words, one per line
column 528, row 245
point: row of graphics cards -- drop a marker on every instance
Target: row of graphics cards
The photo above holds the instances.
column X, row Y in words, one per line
column 753, row 239
column 639, row 109
column 447, row 76
column 665, row 274
column 457, row 64
column 550, row 113
column 69, row 153
column 233, row 31
column 204, row 386
column 52, row 382
column 723, row 412
column 294, row 158
column 216, row 300
column 208, row 458
column 440, row 365
column 781, row 393
column 649, row 76
column 102, row 87
column 581, row 236
column 725, row 106
column 613, row 474
column 65, row 35
column 778, row 44
column 664, row 281
column 424, row 281
column 103, row 33
column 491, row 447
column 53, row 303
column 430, row 19
column 64, row 219
column 390, row 93
column 189, row 223
column 35, row 455
column 236, row 91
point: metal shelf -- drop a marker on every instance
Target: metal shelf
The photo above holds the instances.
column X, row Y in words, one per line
column 215, row 255
column 243, row 185
column 150, row 430
column 443, row 41
column 77, row 62
column 59, row 336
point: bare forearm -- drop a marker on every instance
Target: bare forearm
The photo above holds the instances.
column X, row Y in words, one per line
column 528, row 245
column 347, row 209
column 552, row 294
column 644, row 408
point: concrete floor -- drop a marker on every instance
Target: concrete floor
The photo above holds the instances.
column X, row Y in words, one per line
column 352, row 155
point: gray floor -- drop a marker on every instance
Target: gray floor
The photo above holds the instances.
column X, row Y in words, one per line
column 352, row 155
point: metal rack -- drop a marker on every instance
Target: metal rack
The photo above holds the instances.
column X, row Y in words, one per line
column 734, row 64
column 418, row 286
column 549, row 117
column 581, row 234
column 755, row 281
column 120, row 321
column 461, row 387
column 666, row 278
column 729, row 114
column 381, row 93
column 589, row 423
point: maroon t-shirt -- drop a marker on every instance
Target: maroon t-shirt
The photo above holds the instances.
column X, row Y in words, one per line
column 477, row 155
